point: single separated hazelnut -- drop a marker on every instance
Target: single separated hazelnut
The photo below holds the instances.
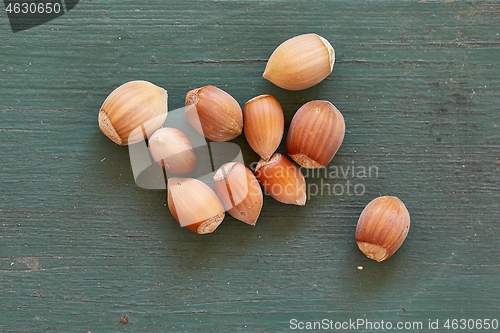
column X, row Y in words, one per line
column 382, row 227
column 300, row 62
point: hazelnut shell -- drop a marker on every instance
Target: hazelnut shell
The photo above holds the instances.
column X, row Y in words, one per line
column 239, row 192
column 382, row 227
column 132, row 112
column 282, row 180
column 300, row 62
column 172, row 150
column 214, row 113
column 264, row 124
column 194, row 205
column 315, row 134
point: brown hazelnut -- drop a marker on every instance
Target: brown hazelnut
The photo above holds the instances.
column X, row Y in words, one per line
column 239, row 192
column 315, row 134
column 172, row 150
column 194, row 205
column 300, row 62
column 263, row 124
column 132, row 112
column 214, row 113
column 382, row 227
column 282, row 180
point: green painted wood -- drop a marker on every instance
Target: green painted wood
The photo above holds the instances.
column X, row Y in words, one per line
column 81, row 245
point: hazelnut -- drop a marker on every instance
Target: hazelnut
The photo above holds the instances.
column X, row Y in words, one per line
column 239, row 192
column 194, row 205
column 132, row 112
column 263, row 124
column 382, row 227
column 172, row 150
column 214, row 113
column 300, row 62
column 315, row 134
column 282, row 180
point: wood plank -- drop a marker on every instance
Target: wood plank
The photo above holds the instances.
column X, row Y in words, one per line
column 82, row 245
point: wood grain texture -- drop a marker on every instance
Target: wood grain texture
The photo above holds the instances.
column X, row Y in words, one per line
column 82, row 245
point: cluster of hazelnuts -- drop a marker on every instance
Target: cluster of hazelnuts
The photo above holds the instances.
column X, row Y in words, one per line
column 136, row 111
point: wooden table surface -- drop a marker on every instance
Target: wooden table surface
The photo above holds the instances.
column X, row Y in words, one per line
column 81, row 245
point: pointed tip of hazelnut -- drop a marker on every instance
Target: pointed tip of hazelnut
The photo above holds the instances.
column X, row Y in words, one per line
column 253, row 223
column 374, row 251
column 106, row 127
column 302, row 200
column 266, row 158
column 269, row 160
column 243, row 216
